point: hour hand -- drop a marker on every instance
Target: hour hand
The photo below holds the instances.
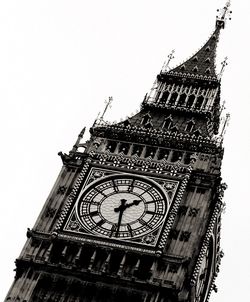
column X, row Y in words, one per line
column 133, row 203
column 136, row 201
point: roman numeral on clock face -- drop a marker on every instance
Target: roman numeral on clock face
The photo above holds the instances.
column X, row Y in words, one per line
column 131, row 186
column 94, row 213
column 98, row 224
column 115, row 186
column 113, row 230
column 130, row 230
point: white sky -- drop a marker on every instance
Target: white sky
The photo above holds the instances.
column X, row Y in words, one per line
column 59, row 61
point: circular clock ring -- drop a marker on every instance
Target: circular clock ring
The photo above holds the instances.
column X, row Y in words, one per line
column 122, row 206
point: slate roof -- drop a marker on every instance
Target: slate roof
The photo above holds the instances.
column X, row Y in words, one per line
column 202, row 63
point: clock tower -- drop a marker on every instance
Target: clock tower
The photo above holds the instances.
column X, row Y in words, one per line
column 135, row 213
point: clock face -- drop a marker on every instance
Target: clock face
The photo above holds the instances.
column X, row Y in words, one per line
column 122, row 206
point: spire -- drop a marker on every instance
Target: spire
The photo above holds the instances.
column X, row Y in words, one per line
column 202, row 63
column 224, row 14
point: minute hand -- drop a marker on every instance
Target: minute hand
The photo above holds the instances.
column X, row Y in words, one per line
column 120, row 209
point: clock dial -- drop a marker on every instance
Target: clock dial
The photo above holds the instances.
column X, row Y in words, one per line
column 122, row 206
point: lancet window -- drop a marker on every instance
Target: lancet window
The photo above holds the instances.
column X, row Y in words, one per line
column 165, row 96
column 190, row 126
column 199, row 102
column 182, row 99
column 168, row 123
column 190, row 101
column 173, row 98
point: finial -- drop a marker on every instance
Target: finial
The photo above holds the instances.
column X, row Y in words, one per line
column 222, row 107
column 80, row 136
column 166, row 63
column 108, row 104
column 224, row 127
column 223, row 66
column 224, row 13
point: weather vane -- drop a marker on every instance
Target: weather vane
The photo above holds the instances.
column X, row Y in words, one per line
column 166, row 64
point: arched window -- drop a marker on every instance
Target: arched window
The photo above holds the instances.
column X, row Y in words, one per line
column 182, row 99
column 164, row 97
column 199, row 102
column 190, row 126
column 190, row 101
column 168, row 123
column 173, row 98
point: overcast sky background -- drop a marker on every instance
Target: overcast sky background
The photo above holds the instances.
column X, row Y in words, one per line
column 59, row 61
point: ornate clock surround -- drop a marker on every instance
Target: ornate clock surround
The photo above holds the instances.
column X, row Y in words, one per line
column 73, row 227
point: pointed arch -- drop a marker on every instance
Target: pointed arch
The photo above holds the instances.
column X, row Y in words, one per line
column 164, row 97
column 182, row 99
column 190, row 100
column 148, row 125
column 197, row 133
column 146, row 119
column 208, row 71
column 199, row 102
column 174, row 129
column 168, row 123
column 195, row 69
column 173, row 98
column 190, row 126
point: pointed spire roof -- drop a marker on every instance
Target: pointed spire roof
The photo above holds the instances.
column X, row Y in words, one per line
column 202, row 63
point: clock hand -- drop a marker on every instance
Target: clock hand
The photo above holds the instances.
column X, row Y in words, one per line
column 120, row 209
column 134, row 203
column 123, row 206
